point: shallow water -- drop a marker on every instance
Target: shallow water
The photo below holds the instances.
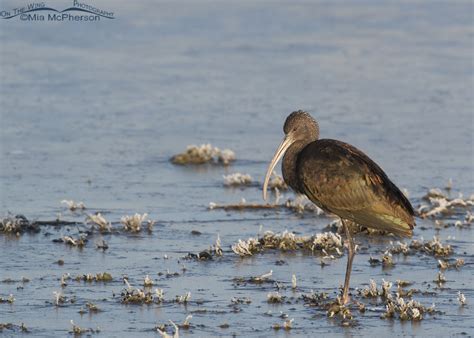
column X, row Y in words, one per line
column 92, row 112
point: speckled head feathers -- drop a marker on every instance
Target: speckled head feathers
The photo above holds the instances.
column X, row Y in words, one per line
column 301, row 124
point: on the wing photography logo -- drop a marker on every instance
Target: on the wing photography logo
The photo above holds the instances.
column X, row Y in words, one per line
column 39, row 11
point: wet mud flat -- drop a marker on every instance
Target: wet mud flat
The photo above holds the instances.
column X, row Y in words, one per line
column 249, row 269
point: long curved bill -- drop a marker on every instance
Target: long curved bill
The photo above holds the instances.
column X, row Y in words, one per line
column 284, row 145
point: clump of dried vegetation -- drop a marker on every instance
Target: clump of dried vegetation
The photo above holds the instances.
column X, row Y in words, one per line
column 386, row 261
column 237, row 179
column 241, row 300
column 277, row 182
column 132, row 295
column 187, row 322
column 441, row 205
column 398, row 307
column 337, row 308
column 262, row 279
column 183, row 299
column 99, row 277
column 373, row 292
column 91, row 308
column 69, row 240
column 444, row 264
column 134, row 223
column 208, row 254
column 204, row 153
column 10, row 299
column 100, row 222
column 328, row 243
column 461, row 298
column 17, row 224
column 23, row 280
column 148, row 282
column 74, row 206
column 433, row 248
column 440, row 279
column 314, row 299
column 78, row 331
column 293, row 282
column 13, row 327
column 301, row 204
column 275, row 297
column 161, row 329
column 287, row 325
column 130, row 223
column 136, row 296
column 395, row 305
column 60, row 299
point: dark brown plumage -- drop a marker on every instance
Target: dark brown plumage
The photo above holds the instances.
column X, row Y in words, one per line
column 343, row 180
column 340, row 179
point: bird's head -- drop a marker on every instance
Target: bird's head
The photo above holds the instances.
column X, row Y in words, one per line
column 299, row 127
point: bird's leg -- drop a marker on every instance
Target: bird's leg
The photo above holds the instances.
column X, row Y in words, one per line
column 350, row 258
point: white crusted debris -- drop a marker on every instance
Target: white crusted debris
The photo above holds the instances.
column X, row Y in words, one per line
column 100, row 221
column 73, row 206
column 133, row 223
column 237, row 179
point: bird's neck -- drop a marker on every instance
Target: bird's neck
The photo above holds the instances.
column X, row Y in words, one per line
column 289, row 164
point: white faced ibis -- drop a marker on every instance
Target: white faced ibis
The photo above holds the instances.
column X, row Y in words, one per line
column 342, row 180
